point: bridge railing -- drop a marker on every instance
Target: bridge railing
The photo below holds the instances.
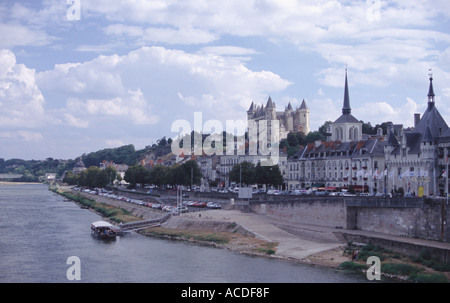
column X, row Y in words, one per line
column 137, row 224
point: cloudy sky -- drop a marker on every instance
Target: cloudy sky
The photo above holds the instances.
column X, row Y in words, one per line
column 79, row 76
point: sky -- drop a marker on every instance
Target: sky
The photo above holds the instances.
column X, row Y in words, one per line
column 77, row 76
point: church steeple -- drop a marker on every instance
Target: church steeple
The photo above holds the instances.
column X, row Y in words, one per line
column 431, row 92
column 346, row 110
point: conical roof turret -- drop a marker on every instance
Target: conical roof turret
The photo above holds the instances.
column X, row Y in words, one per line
column 269, row 103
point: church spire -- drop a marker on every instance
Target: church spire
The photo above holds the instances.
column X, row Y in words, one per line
column 431, row 92
column 346, row 110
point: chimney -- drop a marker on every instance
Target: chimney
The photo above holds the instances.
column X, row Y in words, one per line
column 416, row 119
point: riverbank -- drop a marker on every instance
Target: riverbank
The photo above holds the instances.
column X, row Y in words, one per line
column 257, row 235
column 17, row 183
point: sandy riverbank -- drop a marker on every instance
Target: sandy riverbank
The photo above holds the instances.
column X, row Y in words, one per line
column 305, row 246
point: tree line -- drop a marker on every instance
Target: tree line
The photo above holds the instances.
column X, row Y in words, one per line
column 187, row 174
column 247, row 173
column 93, row 177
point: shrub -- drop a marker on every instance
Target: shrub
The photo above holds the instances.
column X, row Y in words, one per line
column 399, row 269
column 438, row 266
column 428, row 278
column 347, row 265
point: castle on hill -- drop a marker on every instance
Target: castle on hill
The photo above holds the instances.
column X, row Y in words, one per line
column 290, row 120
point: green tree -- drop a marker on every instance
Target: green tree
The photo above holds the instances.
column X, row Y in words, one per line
column 71, row 178
column 93, row 177
column 185, row 174
column 324, row 128
column 244, row 172
column 112, row 174
column 137, row 174
column 292, row 139
column 159, row 175
column 314, row 136
column 268, row 175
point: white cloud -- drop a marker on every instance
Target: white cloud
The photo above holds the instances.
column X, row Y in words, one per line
column 21, row 101
column 122, row 29
column 379, row 112
column 14, row 35
column 114, row 143
column 21, row 135
column 227, row 50
column 76, row 122
column 123, row 94
column 178, row 36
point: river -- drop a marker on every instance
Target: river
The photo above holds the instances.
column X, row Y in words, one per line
column 40, row 231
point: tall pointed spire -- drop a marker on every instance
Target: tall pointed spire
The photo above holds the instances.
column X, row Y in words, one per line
column 346, row 110
column 269, row 103
column 431, row 92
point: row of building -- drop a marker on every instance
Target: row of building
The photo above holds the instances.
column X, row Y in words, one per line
column 413, row 160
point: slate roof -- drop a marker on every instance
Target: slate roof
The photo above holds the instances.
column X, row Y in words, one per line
column 303, row 105
column 373, row 146
column 347, row 119
column 432, row 121
column 429, row 128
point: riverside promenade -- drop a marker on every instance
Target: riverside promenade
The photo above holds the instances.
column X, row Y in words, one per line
column 315, row 244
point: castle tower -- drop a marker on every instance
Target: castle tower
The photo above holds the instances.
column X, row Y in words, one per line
column 302, row 114
column 288, row 118
column 270, row 110
column 251, row 111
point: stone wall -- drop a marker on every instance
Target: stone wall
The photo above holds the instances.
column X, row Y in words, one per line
column 308, row 210
column 425, row 222
column 417, row 218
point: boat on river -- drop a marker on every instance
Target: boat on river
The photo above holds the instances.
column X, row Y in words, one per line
column 103, row 230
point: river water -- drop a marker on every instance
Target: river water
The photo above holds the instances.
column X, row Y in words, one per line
column 39, row 232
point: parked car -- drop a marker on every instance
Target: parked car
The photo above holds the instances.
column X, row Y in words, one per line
column 214, row 205
column 181, row 209
column 201, row 204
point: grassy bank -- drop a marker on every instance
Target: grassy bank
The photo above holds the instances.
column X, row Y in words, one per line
column 112, row 213
column 398, row 266
column 225, row 239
